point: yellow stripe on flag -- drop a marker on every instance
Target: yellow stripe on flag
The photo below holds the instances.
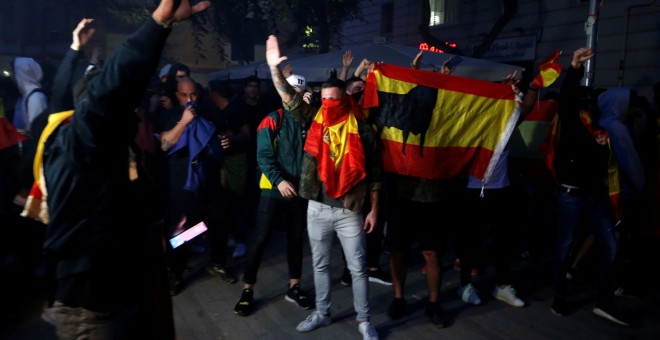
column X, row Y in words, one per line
column 425, row 113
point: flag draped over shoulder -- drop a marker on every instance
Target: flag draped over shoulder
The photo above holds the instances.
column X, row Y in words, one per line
column 437, row 126
column 334, row 141
column 36, row 206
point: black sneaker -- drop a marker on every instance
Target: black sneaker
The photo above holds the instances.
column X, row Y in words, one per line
column 381, row 277
column 436, row 315
column 559, row 307
column 346, row 278
column 610, row 312
column 221, row 272
column 299, row 297
column 245, row 305
column 397, row 308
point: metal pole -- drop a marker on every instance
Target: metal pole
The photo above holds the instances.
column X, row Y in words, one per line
column 591, row 30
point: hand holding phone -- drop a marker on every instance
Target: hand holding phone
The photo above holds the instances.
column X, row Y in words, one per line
column 188, row 235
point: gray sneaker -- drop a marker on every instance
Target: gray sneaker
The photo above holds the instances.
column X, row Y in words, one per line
column 469, row 295
column 313, row 321
column 508, row 295
column 368, row 331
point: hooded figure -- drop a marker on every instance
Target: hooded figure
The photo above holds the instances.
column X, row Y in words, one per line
column 614, row 105
column 33, row 101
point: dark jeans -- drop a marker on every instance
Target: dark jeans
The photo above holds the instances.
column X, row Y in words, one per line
column 494, row 210
column 268, row 214
column 578, row 208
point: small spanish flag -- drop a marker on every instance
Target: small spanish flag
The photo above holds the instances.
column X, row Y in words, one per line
column 549, row 71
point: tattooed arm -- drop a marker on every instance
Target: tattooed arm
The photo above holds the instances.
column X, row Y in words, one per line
column 292, row 101
column 274, row 59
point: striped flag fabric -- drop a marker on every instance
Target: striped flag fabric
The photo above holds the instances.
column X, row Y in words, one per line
column 528, row 137
column 333, row 139
column 549, row 71
column 437, row 126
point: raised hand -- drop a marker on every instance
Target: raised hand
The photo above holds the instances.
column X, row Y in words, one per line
column 417, row 60
column 273, row 57
column 82, row 33
column 510, row 79
column 347, row 58
column 581, row 55
column 170, row 11
column 287, row 70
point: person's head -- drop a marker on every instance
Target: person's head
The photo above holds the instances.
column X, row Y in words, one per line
column 179, row 71
column 81, row 86
column 162, row 75
column 298, row 82
column 333, row 88
column 186, row 91
column 252, row 88
column 27, row 72
column 354, row 85
column 221, row 93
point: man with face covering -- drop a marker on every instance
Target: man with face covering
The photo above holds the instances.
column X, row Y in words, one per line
column 341, row 166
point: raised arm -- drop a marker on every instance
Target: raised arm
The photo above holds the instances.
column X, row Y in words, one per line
column 274, row 59
column 364, row 65
column 61, row 92
column 346, row 61
column 417, row 60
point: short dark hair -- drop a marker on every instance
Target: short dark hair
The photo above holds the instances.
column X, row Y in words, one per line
column 223, row 88
column 352, row 80
column 334, row 82
column 251, row 79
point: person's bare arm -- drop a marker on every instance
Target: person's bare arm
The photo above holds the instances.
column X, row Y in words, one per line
column 169, row 138
column 581, row 55
column 371, row 220
column 364, row 65
column 346, row 61
column 417, row 60
column 171, row 11
column 274, row 59
column 82, row 33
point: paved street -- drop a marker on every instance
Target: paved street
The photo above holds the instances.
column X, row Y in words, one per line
column 204, row 309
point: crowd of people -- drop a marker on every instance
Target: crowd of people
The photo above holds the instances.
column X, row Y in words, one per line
column 118, row 158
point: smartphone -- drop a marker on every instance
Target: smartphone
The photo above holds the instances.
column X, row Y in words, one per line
column 453, row 61
column 188, row 234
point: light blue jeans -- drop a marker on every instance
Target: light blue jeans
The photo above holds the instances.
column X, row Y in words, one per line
column 323, row 221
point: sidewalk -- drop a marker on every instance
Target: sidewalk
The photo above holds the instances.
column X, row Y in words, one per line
column 204, row 310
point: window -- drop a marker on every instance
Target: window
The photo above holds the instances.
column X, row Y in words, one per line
column 443, row 12
column 387, row 18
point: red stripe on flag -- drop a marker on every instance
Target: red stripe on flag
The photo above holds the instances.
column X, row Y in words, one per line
column 446, row 82
column 543, row 111
column 436, row 162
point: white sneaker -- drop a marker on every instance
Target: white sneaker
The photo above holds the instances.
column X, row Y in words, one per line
column 469, row 295
column 313, row 321
column 368, row 331
column 239, row 250
column 508, row 295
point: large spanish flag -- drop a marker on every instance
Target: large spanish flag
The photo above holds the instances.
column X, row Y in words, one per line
column 437, row 126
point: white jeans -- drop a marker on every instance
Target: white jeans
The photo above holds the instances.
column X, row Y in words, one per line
column 323, row 221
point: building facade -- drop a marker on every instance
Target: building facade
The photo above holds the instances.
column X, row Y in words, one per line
column 627, row 33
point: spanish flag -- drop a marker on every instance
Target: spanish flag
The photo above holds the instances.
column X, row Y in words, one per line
column 334, row 141
column 437, row 126
column 549, row 71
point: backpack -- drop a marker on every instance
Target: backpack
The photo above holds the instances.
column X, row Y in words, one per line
column 264, row 183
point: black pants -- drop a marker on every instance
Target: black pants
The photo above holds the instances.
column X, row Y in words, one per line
column 268, row 213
